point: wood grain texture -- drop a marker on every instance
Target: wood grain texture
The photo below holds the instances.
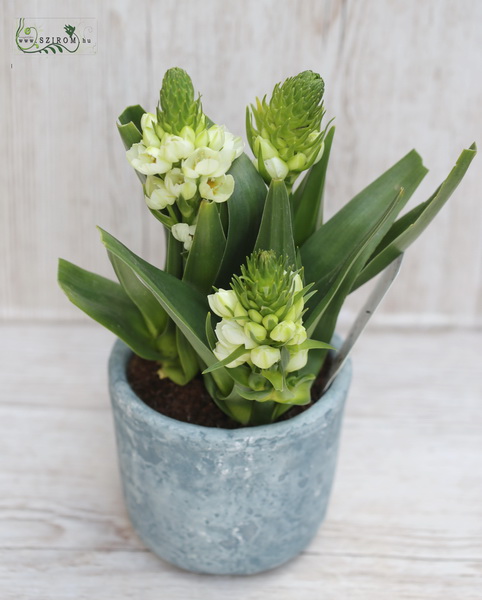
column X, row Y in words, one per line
column 397, row 75
column 405, row 520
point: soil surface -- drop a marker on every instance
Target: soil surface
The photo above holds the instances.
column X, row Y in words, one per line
column 191, row 403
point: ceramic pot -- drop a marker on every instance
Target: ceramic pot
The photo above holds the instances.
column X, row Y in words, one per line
column 225, row 501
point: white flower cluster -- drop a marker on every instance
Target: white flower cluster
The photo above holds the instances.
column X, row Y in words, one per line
column 190, row 165
column 263, row 337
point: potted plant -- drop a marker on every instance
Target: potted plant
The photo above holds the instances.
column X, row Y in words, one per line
column 244, row 312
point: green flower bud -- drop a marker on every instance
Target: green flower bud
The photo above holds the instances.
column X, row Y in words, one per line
column 297, row 360
column 295, row 311
column 297, row 162
column 276, row 168
column 283, row 332
column 270, row 321
column 266, row 147
column 266, row 286
column 255, row 316
column 177, row 106
column 255, row 331
column 202, row 139
column 256, row 382
column 239, row 311
column 289, row 124
column 265, row 357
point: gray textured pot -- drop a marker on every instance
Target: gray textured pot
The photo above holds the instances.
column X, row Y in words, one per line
column 225, row 501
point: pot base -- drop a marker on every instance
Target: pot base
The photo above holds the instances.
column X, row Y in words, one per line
column 225, row 501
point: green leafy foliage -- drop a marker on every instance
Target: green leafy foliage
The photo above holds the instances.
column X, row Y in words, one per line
column 107, row 303
column 409, row 227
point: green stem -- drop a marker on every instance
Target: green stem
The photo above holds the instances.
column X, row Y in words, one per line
column 174, row 261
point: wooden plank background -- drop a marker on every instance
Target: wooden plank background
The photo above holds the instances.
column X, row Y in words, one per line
column 398, row 75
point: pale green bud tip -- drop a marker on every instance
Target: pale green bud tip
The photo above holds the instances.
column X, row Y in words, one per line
column 265, row 357
column 297, row 361
column 254, row 315
column 270, row 321
column 283, row 332
column 255, row 331
column 276, row 168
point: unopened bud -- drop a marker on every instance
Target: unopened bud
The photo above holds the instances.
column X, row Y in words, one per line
column 270, row 321
column 283, row 332
column 265, row 357
column 255, row 331
column 255, row 316
column 277, row 168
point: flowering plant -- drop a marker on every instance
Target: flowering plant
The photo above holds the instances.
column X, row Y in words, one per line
column 246, row 246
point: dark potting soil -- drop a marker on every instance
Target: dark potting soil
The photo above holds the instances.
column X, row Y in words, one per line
column 191, row 403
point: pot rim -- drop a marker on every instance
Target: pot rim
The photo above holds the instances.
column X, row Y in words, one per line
column 122, row 394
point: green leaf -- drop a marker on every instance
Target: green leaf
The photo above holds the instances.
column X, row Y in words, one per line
column 185, row 305
column 187, row 356
column 173, row 264
column 222, row 363
column 409, row 227
column 341, row 278
column 326, row 249
column 308, row 198
column 107, row 303
column 130, row 135
column 154, row 315
column 132, row 114
column 275, row 232
column 211, row 338
column 315, row 345
column 130, row 130
column 162, row 218
column 245, row 208
column 207, row 249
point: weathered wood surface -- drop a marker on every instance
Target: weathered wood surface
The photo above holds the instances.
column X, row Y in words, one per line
column 405, row 520
column 398, row 75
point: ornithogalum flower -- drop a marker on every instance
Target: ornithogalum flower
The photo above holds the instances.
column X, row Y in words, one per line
column 285, row 136
column 262, row 330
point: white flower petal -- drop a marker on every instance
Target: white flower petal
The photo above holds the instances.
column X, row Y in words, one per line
column 223, row 302
column 217, row 189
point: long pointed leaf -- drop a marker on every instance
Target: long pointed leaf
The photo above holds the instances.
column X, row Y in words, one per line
column 154, row 315
column 185, row 305
column 308, row 198
column 322, row 252
column 410, row 226
column 130, row 129
column 132, row 114
column 207, row 250
column 187, row 356
column 341, row 279
column 245, row 208
column 130, row 125
column 276, row 231
column 107, row 303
